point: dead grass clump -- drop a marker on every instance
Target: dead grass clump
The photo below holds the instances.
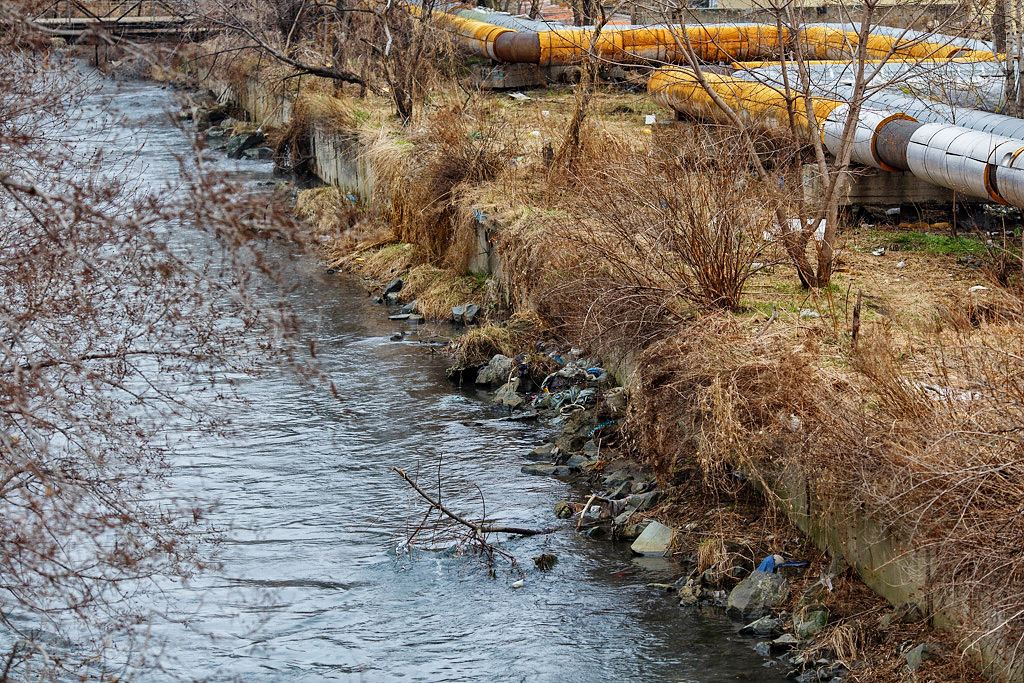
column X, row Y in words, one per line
column 329, row 211
column 437, row 290
column 939, row 454
column 479, row 344
column 292, row 150
column 717, row 401
column 655, row 240
column 385, row 262
column 964, row 313
column 425, row 177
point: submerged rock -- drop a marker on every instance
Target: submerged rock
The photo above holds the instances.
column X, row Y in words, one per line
column 259, row 154
column 545, row 561
column 755, row 595
column 546, row 470
column 765, row 626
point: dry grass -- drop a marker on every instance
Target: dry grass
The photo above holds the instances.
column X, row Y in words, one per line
column 478, row 345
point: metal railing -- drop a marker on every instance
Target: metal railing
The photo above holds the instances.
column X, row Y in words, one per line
column 109, row 11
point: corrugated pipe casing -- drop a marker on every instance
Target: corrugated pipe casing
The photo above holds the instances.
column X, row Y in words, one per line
column 865, row 134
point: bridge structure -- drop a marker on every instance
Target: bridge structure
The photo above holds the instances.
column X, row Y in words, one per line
column 139, row 20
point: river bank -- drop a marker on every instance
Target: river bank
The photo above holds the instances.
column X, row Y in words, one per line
column 722, row 411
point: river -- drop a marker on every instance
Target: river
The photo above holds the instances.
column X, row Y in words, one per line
column 314, row 583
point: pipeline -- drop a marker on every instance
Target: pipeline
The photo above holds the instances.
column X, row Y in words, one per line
column 973, row 162
column 976, row 162
column 513, row 40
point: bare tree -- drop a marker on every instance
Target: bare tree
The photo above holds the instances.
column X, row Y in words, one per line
column 389, row 48
column 798, row 87
column 124, row 313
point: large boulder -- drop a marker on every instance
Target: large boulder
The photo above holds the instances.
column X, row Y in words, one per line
column 496, row 372
column 655, row 541
column 755, row 595
column 237, row 145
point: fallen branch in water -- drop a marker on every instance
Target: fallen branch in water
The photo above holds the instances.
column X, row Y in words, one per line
column 479, row 529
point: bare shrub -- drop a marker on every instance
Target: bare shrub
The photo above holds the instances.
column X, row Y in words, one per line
column 674, row 227
column 125, row 312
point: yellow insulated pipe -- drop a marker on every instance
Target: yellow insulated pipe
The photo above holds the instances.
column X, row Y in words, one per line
column 680, row 89
column 477, row 37
column 658, row 43
column 714, row 43
column 834, row 43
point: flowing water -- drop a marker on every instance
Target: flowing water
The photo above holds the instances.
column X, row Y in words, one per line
column 314, row 582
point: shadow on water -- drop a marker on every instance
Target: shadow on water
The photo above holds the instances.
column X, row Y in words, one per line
column 313, row 582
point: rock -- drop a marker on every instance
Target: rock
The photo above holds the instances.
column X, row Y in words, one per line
column 414, row 319
column 259, row 154
column 469, row 315
column 616, row 478
column 809, row 622
column 542, row 453
column 689, row 594
column 409, row 307
column 787, row 641
column 577, row 461
column 815, row 594
column 400, row 316
column 391, row 299
column 655, row 541
column 563, row 510
column 764, row 649
column 497, row 371
column 397, row 336
column 661, row 586
column 591, row 449
column 507, row 396
column 240, row 143
column 633, row 531
column 378, row 300
column 457, row 313
column 765, row 626
column 639, row 502
column 907, row 613
column 394, row 287
column 615, row 401
column 920, row 654
column 546, row 470
column 755, row 595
